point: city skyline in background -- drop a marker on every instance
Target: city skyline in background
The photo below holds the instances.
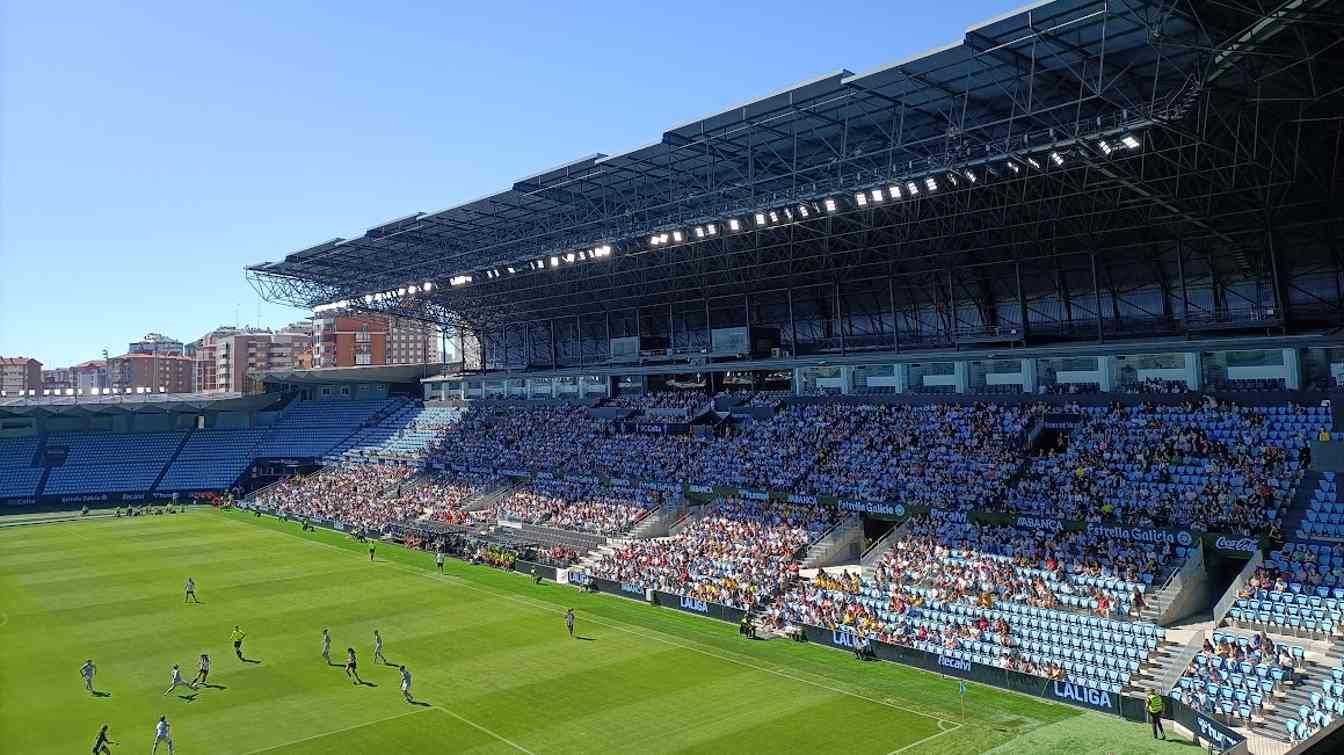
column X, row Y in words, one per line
column 150, row 153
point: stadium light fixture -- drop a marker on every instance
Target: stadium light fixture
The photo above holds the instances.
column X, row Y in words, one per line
column 895, row 191
column 774, row 217
column 699, row 232
column 788, row 214
column 712, row 229
column 459, row 280
column 1057, row 159
column 830, row 205
column 970, row 175
column 1033, row 162
column 1014, row 167
column 876, row 195
column 760, row 218
column 555, row 261
column 1105, row 147
column 1130, row 141
column 913, row 188
column 569, row 257
column 734, row 225
column 802, row 210
column 860, row 199
column 427, row 286
column 931, row 183
column 952, row 179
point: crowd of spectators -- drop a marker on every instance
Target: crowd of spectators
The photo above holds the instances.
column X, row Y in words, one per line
column 1219, row 468
column 360, row 495
column 688, row 401
column 1155, row 386
column 929, row 454
column 735, row 553
column 1237, row 676
column 960, row 586
column 579, row 506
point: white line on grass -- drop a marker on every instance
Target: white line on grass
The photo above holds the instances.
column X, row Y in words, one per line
column 931, row 737
column 643, row 632
column 475, row 725
column 336, row 731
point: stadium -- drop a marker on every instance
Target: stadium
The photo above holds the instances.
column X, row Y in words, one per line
column 983, row 402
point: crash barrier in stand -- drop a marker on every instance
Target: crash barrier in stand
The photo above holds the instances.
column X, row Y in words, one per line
column 1211, row 733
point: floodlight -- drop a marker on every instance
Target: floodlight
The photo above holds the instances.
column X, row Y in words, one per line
column 569, row 257
column 1033, row 163
column 760, row 218
column 1130, row 141
column 802, row 210
column 1014, row 167
column 555, row 262
column 970, row 175
column 912, row 187
column 829, row 204
column 876, row 194
column 427, row 286
column 930, row 183
column 1057, row 159
column 712, row 229
column 788, row 213
column 774, row 217
column 1105, row 147
column 699, row 232
column 734, row 225
column 861, row 199
column 676, row 236
column 895, row 191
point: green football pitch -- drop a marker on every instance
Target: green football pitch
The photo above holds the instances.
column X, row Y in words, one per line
column 494, row 670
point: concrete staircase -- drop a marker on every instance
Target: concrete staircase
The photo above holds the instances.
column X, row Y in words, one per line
column 880, row 547
column 840, row 544
column 1299, row 504
column 658, row 522
column 490, row 497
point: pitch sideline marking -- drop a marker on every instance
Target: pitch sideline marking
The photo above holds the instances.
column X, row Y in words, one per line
column 650, row 633
column 475, row 725
column 931, row 737
column 335, row 731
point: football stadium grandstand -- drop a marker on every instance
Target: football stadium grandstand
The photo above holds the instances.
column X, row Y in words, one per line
column 1018, row 361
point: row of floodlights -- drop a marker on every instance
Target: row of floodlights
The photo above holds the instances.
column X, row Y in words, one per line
column 555, row 260
column 893, row 191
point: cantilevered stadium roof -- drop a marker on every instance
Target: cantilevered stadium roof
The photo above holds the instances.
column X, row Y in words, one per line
column 1055, row 89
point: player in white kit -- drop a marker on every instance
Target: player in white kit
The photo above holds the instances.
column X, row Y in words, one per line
column 177, row 680
column 378, row 647
column 406, row 685
column 161, row 735
column 326, row 646
column 87, row 671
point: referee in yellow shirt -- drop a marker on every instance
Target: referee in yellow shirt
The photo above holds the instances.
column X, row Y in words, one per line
column 236, row 636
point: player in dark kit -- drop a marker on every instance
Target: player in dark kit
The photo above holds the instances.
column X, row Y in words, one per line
column 100, row 745
column 350, row 666
column 370, row 552
column 569, row 622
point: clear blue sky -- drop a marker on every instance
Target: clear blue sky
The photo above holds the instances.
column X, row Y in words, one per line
column 148, row 151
